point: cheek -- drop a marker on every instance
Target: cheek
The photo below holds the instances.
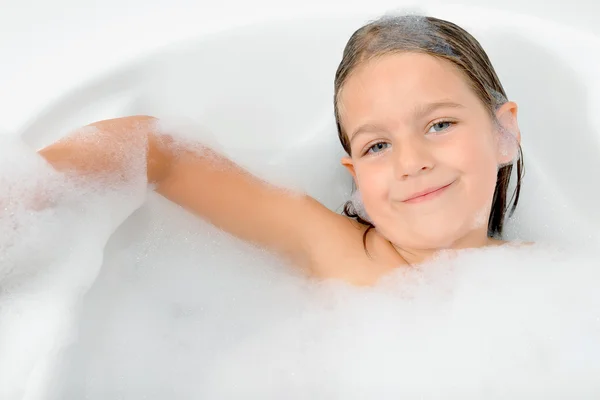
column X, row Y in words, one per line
column 373, row 183
column 476, row 160
column 470, row 152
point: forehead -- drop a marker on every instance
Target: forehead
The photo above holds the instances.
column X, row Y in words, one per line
column 396, row 83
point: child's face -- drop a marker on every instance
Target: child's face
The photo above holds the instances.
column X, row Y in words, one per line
column 414, row 126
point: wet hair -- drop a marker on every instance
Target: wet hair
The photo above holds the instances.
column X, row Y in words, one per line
column 446, row 41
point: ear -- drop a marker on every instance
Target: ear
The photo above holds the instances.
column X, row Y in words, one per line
column 509, row 135
column 347, row 163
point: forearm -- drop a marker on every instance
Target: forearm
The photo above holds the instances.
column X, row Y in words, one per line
column 112, row 147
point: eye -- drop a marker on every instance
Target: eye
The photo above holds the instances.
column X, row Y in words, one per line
column 377, row 147
column 440, row 126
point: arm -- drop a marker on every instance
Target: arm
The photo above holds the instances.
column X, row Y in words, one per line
column 106, row 147
column 205, row 183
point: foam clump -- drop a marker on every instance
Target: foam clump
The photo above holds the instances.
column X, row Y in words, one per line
column 53, row 229
column 494, row 323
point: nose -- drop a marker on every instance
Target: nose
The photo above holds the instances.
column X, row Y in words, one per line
column 411, row 158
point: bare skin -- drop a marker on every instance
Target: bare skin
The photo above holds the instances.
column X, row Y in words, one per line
column 413, row 154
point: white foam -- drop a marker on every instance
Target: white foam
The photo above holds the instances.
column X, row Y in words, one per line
column 52, row 233
column 498, row 323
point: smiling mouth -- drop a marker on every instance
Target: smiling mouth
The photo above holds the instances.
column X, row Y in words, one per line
column 427, row 194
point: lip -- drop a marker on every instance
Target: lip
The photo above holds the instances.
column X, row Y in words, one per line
column 427, row 194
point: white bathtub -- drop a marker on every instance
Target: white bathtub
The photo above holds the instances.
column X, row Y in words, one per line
column 241, row 70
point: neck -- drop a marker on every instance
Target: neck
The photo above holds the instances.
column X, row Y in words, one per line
column 474, row 239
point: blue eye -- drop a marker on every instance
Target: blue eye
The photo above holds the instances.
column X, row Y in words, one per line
column 378, row 147
column 440, row 126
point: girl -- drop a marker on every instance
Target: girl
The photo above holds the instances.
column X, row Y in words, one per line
column 430, row 141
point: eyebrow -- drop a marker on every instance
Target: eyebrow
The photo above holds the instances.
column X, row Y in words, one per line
column 426, row 109
column 420, row 111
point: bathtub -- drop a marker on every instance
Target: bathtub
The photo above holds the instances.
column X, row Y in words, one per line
column 68, row 64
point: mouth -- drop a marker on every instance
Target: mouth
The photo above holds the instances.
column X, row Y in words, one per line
column 427, row 194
